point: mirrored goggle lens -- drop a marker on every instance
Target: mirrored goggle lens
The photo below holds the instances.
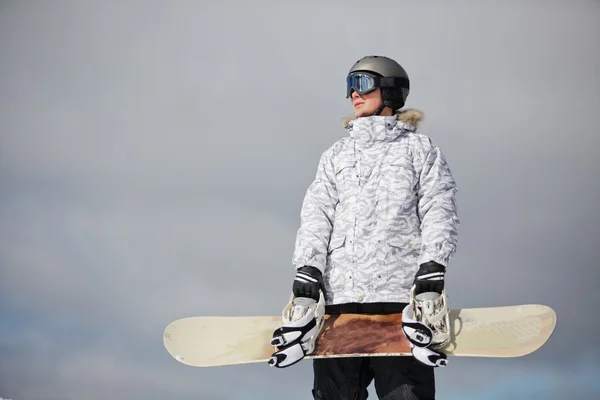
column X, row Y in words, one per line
column 362, row 83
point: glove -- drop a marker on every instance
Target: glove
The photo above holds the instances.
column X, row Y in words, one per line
column 430, row 278
column 307, row 283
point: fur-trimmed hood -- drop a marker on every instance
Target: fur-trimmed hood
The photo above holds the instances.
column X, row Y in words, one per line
column 409, row 116
column 379, row 128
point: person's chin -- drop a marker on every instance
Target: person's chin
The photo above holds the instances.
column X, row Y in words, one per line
column 358, row 113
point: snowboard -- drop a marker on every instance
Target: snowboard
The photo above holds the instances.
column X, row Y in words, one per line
column 210, row 341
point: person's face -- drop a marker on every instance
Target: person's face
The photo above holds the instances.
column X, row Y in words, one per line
column 366, row 105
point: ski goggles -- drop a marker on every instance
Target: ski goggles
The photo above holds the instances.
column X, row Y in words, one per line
column 364, row 82
column 361, row 82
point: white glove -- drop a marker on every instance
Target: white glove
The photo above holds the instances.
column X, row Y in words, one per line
column 303, row 321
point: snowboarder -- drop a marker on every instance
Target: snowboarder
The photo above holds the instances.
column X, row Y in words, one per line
column 378, row 229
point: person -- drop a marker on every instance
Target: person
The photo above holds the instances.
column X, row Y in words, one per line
column 379, row 227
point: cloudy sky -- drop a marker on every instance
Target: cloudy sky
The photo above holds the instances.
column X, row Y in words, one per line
column 154, row 156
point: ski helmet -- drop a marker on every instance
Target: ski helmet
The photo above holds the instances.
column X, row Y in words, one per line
column 371, row 72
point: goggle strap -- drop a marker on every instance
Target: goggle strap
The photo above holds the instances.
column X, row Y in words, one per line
column 393, row 82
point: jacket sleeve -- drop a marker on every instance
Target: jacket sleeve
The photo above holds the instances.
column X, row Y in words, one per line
column 316, row 218
column 437, row 208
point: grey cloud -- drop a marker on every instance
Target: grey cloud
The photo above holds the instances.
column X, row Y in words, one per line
column 153, row 161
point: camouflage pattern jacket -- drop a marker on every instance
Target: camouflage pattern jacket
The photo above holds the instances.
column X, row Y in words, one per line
column 382, row 203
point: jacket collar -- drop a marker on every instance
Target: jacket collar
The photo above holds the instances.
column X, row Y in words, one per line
column 367, row 131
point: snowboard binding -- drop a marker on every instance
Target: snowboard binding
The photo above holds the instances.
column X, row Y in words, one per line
column 431, row 309
column 426, row 324
column 303, row 320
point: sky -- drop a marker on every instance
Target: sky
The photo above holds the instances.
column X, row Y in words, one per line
column 154, row 157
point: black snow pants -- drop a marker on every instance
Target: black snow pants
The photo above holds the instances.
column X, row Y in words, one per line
column 395, row 378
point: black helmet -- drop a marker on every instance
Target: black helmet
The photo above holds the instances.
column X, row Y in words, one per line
column 371, row 72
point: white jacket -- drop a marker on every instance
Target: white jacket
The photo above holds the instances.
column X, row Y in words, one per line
column 382, row 203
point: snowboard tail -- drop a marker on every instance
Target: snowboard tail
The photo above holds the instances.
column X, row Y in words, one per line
column 511, row 331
